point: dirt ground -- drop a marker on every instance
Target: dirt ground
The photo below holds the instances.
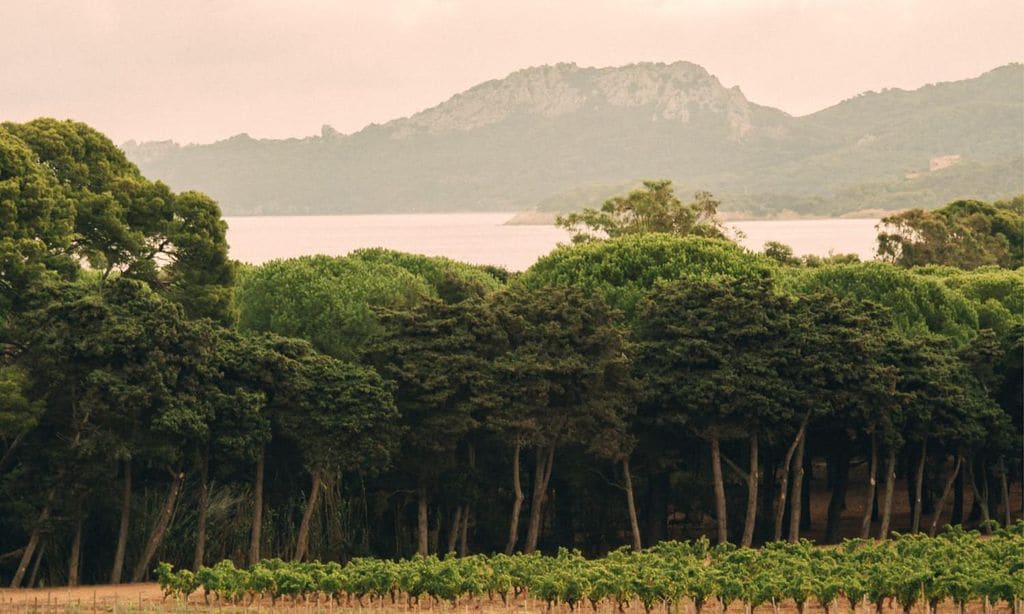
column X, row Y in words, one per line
column 140, row 598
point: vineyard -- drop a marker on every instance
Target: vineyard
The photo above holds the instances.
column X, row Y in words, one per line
column 908, row 571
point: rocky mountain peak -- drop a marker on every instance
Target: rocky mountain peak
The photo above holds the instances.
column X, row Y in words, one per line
column 668, row 92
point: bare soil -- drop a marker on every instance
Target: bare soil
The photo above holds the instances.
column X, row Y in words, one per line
column 140, row 598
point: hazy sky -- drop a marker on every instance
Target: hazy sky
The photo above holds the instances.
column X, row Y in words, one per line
column 201, row 70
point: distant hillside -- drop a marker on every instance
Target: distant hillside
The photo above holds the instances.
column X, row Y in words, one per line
column 561, row 134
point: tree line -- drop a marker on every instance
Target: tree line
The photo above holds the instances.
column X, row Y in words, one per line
column 161, row 402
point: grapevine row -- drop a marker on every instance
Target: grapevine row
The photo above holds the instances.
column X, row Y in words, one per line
column 907, row 570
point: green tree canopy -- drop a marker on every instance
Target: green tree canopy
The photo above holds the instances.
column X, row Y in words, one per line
column 442, row 274
column 328, row 301
column 121, row 222
column 654, row 208
column 964, row 233
column 920, row 305
column 623, row 270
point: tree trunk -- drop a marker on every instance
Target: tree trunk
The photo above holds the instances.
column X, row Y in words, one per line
column 517, row 504
column 122, row 531
column 422, row 522
column 201, row 504
column 75, row 558
column 780, row 510
column 542, row 476
column 1004, row 488
column 957, row 517
column 464, row 533
column 634, row 523
column 35, row 567
column 719, row 484
column 453, row 532
column 806, row 519
column 657, row 508
column 890, row 486
column 752, row 484
column 945, row 496
column 156, row 536
column 981, row 496
column 837, row 503
column 302, row 542
column 796, row 502
column 915, row 525
column 33, row 542
column 869, row 506
column 256, row 533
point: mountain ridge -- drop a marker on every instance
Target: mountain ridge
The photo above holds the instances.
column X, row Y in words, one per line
column 507, row 144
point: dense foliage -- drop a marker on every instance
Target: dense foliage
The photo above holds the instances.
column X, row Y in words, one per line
column 907, row 571
column 623, row 391
column 966, row 234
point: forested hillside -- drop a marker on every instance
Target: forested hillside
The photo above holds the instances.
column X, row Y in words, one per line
column 163, row 403
column 543, row 134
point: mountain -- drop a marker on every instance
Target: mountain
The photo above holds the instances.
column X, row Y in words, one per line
column 545, row 132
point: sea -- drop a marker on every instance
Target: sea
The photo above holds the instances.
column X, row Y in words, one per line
column 485, row 238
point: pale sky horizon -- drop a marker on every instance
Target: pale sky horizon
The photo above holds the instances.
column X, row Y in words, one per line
column 204, row 70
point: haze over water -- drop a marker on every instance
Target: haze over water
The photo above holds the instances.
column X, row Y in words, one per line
column 483, row 238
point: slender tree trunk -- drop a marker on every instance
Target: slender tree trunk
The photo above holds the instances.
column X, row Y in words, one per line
column 302, row 542
column 464, row 533
column 634, row 523
column 957, row 517
column 33, row 542
column 657, row 508
column 945, row 495
column 453, row 532
column 517, row 504
column 981, row 496
column 837, row 502
column 915, row 525
column 122, row 531
column 467, row 507
column 1005, row 490
column 796, row 503
column 75, row 558
column 806, row 519
column 156, row 536
column 256, row 533
column 540, row 485
column 752, row 485
column 780, row 510
column 869, row 505
column 890, row 486
column 422, row 522
column 35, row 567
column 202, row 504
column 719, row 485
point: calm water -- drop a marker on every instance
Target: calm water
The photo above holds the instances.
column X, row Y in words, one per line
column 483, row 238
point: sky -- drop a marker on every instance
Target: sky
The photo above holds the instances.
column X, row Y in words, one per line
column 203, row 70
